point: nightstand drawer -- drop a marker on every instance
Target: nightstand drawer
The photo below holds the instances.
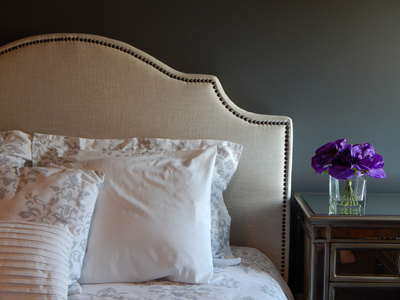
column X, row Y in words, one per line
column 374, row 262
column 364, row 291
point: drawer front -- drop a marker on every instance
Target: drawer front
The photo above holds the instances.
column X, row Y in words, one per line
column 374, row 262
column 364, row 291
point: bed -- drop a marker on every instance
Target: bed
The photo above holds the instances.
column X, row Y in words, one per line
column 122, row 178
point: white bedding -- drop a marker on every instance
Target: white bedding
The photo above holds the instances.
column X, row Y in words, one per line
column 255, row 278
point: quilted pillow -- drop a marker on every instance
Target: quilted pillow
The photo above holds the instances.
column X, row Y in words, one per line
column 54, row 149
column 15, row 148
column 152, row 218
column 54, row 195
column 34, row 260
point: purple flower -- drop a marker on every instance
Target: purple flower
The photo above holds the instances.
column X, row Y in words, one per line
column 342, row 165
column 325, row 154
column 344, row 161
column 366, row 160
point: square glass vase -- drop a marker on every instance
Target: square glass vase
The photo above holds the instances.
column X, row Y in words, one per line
column 347, row 197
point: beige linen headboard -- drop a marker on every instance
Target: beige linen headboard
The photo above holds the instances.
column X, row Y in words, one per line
column 95, row 87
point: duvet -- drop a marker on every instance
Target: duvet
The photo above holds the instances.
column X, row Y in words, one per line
column 253, row 279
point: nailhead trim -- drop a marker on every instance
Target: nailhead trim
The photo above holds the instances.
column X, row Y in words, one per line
column 190, row 80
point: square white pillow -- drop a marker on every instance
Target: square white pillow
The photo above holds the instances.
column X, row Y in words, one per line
column 54, row 149
column 152, row 218
column 54, row 195
column 34, row 260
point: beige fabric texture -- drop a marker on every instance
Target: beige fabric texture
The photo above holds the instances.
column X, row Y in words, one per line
column 96, row 87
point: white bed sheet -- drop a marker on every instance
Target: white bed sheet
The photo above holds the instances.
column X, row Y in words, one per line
column 255, row 278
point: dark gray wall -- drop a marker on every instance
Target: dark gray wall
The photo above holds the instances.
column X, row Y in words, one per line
column 333, row 66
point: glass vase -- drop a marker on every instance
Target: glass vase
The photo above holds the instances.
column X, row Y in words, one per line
column 347, row 197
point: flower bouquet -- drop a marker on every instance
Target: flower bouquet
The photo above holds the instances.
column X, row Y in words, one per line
column 344, row 161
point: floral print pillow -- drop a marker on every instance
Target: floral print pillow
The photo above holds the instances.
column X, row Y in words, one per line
column 15, row 152
column 53, row 149
column 52, row 196
column 15, row 148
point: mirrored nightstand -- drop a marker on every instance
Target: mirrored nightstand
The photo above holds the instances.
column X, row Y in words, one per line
column 372, row 239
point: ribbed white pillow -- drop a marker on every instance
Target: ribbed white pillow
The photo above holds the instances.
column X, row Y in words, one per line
column 34, row 260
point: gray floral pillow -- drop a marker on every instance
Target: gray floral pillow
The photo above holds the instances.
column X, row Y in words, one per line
column 52, row 196
column 59, row 150
column 8, row 182
column 15, row 148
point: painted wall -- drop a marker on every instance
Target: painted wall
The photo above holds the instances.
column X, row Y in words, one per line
column 332, row 66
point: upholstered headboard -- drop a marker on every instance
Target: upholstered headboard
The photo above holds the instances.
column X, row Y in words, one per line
column 95, row 87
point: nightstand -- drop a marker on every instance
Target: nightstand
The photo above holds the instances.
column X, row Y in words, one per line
column 373, row 239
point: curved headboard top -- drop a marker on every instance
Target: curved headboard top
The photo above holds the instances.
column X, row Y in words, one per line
column 95, row 87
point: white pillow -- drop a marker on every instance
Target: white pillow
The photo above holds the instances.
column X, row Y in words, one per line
column 54, row 195
column 152, row 218
column 34, row 260
column 15, row 148
column 54, row 149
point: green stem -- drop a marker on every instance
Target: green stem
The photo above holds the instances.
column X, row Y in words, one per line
column 348, row 196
